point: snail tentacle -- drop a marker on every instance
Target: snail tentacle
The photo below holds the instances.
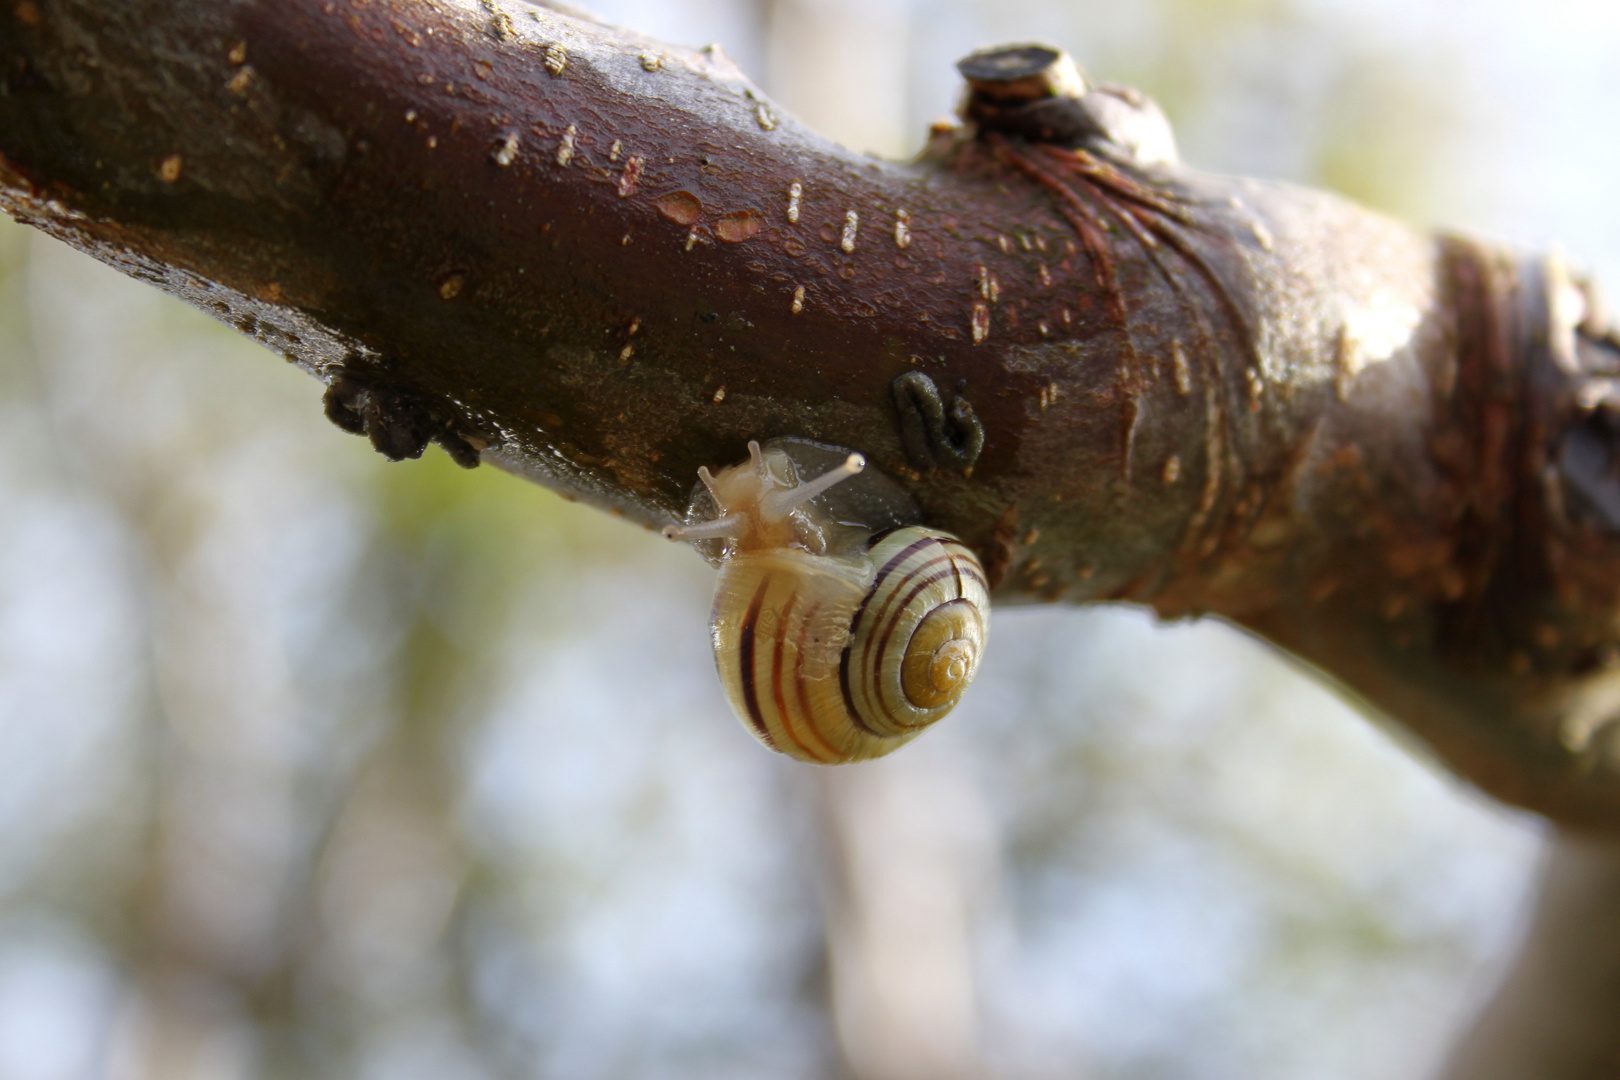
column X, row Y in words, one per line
column 779, row 502
column 718, row 529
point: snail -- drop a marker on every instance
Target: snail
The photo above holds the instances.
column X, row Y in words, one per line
column 839, row 630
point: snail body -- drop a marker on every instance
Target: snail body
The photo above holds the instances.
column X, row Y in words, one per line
column 836, row 640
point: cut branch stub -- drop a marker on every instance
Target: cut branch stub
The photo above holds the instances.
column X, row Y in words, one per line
column 1030, row 90
column 1018, row 74
column 1037, row 92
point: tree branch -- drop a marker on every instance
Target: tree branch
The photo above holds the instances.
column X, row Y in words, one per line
column 601, row 261
column 1554, row 1016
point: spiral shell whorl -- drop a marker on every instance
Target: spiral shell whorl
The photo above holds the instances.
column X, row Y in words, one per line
column 835, row 660
column 916, row 640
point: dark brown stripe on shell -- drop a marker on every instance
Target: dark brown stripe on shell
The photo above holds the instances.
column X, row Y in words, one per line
column 866, row 650
column 888, row 631
column 881, row 638
column 745, row 659
column 897, row 558
column 969, row 561
column 779, row 683
column 829, row 752
column 878, row 537
column 843, row 683
column 855, row 620
column 776, row 668
column 866, row 655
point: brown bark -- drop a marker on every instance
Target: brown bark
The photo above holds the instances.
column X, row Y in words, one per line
column 579, row 254
column 1557, row 1015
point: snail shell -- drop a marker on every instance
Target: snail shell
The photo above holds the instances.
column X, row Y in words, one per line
column 834, row 642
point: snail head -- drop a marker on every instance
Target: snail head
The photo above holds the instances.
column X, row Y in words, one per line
column 761, row 504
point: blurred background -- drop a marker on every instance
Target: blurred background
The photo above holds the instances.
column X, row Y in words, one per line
column 317, row 766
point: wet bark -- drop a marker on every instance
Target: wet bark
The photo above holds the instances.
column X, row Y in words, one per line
column 602, row 261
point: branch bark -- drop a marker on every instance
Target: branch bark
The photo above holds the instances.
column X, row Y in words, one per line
column 601, row 262
column 1554, row 1016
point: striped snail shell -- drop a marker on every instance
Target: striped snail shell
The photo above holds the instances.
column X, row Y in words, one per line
column 836, row 640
